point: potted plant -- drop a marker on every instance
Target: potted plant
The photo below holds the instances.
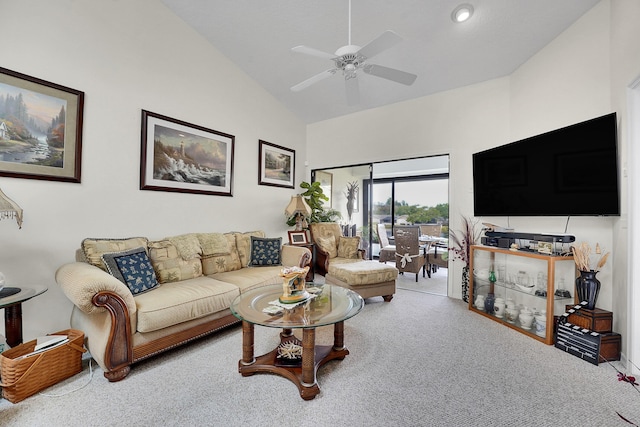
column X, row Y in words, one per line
column 462, row 242
column 315, row 198
column 587, row 285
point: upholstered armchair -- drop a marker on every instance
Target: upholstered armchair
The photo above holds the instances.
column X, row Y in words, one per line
column 326, row 236
column 410, row 257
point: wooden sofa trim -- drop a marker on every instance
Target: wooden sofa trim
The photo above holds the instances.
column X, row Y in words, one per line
column 120, row 353
column 160, row 345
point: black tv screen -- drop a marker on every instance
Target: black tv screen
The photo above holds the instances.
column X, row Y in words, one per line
column 568, row 171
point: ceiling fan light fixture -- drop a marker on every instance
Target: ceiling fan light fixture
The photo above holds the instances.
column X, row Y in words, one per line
column 462, row 13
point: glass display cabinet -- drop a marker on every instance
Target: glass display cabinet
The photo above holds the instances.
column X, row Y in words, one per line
column 520, row 289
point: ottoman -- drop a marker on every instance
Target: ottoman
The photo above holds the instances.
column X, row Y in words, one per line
column 367, row 278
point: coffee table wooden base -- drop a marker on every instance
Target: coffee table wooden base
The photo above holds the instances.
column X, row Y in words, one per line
column 302, row 375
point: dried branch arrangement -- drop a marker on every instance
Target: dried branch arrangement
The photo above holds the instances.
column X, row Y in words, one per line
column 585, row 261
column 463, row 239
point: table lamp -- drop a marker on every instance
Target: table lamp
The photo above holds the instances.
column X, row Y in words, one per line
column 299, row 208
column 10, row 209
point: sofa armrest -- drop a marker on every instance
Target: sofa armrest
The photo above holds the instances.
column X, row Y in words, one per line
column 297, row 256
column 80, row 282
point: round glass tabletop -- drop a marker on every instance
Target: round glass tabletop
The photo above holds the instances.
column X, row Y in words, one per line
column 330, row 305
column 25, row 293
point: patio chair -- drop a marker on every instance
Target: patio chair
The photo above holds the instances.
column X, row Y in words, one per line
column 410, row 256
column 387, row 251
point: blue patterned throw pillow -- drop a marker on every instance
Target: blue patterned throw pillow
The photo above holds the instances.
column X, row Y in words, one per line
column 133, row 268
column 265, row 251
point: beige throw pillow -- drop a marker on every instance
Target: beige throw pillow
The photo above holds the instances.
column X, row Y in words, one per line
column 94, row 248
column 188, row 245
column 213, row 244
column 169, row 265
column 328, row 244
column 348, row 247
column 243, row 242
column 222, row 263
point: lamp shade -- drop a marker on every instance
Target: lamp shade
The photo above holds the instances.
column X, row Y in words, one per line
column 298, row 205
column 10, row 209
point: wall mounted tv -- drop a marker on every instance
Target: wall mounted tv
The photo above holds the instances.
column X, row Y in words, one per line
column 568, row 171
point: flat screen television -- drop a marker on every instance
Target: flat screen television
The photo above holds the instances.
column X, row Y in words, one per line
column 565, row 172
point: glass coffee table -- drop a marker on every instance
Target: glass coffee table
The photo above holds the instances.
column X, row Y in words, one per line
column 293, row 359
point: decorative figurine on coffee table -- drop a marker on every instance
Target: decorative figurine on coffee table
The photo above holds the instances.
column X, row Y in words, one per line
column 294, row 285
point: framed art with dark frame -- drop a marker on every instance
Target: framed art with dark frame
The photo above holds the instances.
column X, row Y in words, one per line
column 277, row 165
column 298, row 238
column 185, row 158
column 40, row 128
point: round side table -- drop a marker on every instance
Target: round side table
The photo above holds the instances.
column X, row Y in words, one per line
column 12, row 305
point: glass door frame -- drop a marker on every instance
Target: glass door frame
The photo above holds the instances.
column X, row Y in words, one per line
column 365, row 210
column 393, row 182
column 367, row 190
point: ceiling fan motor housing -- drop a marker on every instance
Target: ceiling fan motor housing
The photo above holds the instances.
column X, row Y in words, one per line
column 348, row 60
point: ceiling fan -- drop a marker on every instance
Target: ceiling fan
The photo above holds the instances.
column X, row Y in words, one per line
column 351, row 58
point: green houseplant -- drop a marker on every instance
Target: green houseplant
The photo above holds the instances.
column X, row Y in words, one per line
column 315, row 198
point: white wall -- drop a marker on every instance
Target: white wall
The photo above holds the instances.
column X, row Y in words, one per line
column 456, row 122
column 566, row 82
column 127, row 56
column 625, row 73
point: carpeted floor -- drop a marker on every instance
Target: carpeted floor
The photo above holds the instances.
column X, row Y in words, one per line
column 436, row 284
column 420, row 360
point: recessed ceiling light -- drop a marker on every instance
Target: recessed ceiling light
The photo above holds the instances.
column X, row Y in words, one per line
column 462, row 13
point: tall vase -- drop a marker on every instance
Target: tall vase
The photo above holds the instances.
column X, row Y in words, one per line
column 465, row 283
column 587, row 288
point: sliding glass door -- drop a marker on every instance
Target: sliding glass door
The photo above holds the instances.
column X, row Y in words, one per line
column 412, row 191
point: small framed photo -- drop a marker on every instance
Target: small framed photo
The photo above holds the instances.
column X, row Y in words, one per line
column 40, row 128
column 185, row 158
column 298, row 238
column 277, row 165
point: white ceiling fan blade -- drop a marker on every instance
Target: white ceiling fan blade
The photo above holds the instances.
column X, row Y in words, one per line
column 353, row 91
column 390, row 74
column 315, row 79
column 313, row 52
column 383, row 42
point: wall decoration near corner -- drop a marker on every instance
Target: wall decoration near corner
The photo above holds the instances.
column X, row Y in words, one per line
column 276, row 165
column 326, row 182
column 186, row 158
column 40, row 128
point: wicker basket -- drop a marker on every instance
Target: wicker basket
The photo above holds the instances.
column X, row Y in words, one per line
column 23, row 377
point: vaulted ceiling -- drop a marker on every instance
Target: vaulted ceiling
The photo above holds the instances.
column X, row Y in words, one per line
column 258, row 35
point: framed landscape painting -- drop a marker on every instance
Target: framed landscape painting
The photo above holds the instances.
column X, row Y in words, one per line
column 40, row 128
column 276, row 165
column 183, row 157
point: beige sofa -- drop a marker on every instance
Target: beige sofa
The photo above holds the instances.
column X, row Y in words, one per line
column 199, row 275
column 342, row 262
